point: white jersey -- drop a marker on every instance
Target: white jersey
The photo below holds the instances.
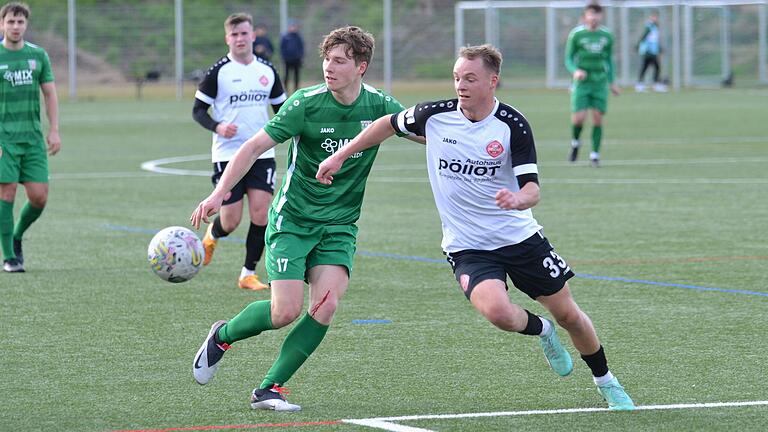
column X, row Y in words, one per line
column 240, row 94
column 468, row 162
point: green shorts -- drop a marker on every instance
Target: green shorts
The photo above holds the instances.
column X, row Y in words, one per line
column 23, row 162
column 293, row 249
column 589, row 94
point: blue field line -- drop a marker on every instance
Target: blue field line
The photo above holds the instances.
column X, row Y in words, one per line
column 674, row 285
column 371, row 321
column 443, row 261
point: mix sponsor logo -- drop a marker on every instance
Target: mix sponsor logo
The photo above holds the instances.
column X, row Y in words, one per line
column 19, row 77
column 331, row 146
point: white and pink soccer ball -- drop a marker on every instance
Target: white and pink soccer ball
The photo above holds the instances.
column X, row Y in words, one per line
column 175, row 254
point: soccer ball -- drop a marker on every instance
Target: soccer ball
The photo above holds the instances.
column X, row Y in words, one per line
column 175, row 254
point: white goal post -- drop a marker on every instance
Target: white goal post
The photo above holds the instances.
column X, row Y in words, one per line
column 693, row 32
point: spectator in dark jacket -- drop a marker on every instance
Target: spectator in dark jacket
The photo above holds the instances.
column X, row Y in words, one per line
column 292, row 51
column 262, row 46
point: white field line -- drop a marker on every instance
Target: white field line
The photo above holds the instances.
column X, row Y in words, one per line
column 157, row 166
column 385, row 422
column 384, row 425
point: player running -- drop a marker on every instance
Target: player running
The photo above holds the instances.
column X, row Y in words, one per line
column 312, row 233
column 481, row 161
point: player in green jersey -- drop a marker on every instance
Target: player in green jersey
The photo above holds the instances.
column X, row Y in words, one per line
column 25, row 70
column 311, row 233
column 589, row 58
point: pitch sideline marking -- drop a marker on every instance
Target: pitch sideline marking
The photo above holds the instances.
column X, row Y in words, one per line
column 384, row 423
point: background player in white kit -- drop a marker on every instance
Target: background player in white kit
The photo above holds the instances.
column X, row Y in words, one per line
column 482, row 167
column 239, row 86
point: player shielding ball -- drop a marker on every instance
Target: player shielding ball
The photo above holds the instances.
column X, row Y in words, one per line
column 312, row 233
column 481, row 161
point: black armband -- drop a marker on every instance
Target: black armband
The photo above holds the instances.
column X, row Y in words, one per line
column 525, row 178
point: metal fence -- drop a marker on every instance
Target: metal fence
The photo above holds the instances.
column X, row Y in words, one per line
column 121, row 47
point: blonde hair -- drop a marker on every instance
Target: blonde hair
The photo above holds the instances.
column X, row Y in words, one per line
column 236, row 19
column 488, row 53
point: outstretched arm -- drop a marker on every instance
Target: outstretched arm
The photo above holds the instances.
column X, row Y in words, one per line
column 235, row 170
column 377, row 132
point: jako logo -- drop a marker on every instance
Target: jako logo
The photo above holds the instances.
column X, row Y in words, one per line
column 449, row 140
column 327, row 130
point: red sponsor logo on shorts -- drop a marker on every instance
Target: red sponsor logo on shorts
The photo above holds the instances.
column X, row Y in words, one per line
column 494, row 148
column 464, row 282
column 264, row 80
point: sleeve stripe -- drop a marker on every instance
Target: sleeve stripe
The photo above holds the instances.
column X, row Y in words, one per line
column 530, row 168
column 204, row 97
column 401, row 123
column 280, row 99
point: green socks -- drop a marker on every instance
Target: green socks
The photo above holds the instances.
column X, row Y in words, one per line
column 254, row 319
column 300, row 343
column 6, row 229
column 576, row 130
column 28, row 215
column 597, row 137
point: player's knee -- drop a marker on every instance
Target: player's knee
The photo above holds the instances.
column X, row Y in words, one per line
column 501, row 316
column 258, row 216
column 230, row 224
column 38, row 201
column 282, row 315
column 570, row 318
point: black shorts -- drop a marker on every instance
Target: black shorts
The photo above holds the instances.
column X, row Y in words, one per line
column 532, row 265
column 261, row 176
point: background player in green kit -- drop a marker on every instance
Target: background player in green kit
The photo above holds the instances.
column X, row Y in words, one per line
column 25, row 70
column 311, row 233
column 588, row 56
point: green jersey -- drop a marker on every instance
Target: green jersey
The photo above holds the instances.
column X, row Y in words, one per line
column 22, row 71
column 591, row 51
column 318, row 125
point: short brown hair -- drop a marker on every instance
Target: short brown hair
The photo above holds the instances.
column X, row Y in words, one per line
column 595, row 7
column 488, row 53
column 237, row 19
column 14, row 8
column 359, row 44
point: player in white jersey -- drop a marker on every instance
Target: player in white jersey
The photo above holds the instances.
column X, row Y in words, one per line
column 482, row 167
column 239, row 87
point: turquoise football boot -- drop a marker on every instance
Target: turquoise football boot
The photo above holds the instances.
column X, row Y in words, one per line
column 616, row 397
column 557, row 357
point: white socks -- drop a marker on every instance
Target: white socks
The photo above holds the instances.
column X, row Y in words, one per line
column 245, row 272
column 603, row 380
column 546, row 327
